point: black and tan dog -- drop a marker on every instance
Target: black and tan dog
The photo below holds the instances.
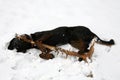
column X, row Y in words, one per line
column 79, row 37
column 20, row 45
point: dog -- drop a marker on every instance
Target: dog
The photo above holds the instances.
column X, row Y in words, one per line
column 20, row 45
column 79, row 37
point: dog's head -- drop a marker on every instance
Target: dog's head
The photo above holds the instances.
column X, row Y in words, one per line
column 19, row 45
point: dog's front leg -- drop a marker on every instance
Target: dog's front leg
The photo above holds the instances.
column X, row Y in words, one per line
column 45, row 51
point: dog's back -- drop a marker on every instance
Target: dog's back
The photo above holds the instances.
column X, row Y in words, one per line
column 58, row 36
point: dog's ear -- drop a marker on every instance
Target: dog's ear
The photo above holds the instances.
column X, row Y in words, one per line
column 11, row 44
column 27, row 36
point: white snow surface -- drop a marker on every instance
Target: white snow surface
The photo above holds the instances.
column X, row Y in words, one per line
column 29, row 16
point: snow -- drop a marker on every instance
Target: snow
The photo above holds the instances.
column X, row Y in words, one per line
column 29, row 16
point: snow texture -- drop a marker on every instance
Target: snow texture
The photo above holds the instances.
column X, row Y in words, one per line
column 29, row 16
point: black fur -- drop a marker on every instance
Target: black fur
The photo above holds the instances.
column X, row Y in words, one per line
column 58, row 36
column 19, row 45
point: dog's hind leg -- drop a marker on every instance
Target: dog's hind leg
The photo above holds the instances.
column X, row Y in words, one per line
column 89, row 53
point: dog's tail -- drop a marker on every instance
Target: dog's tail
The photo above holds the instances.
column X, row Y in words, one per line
column 103, row 42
